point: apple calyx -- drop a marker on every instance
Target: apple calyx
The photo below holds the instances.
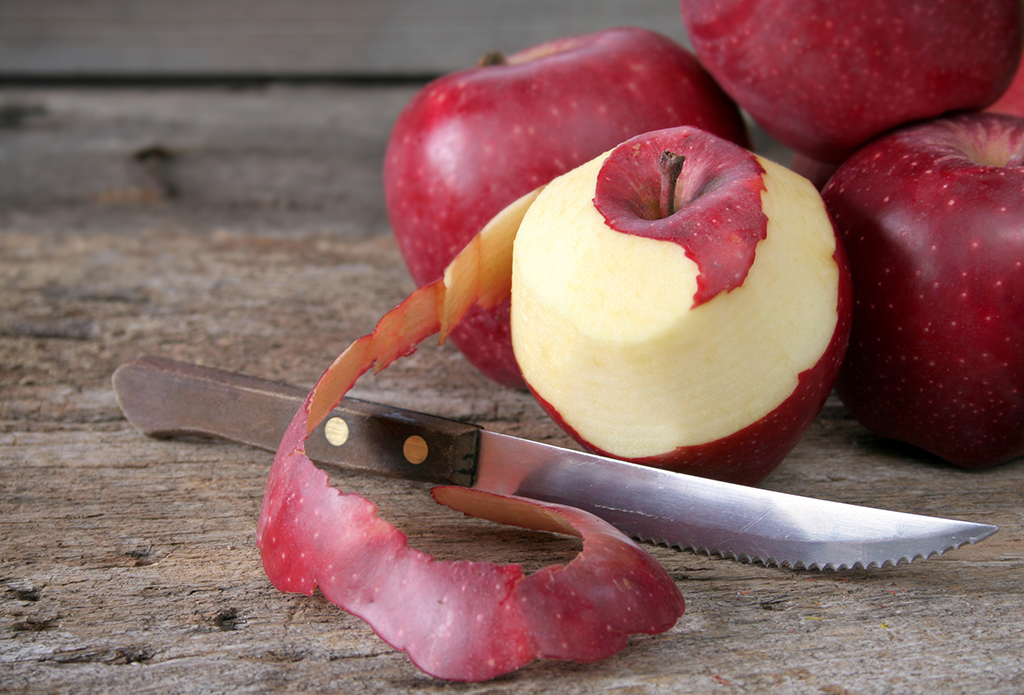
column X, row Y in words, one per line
column 994, row 143
column 465, row 621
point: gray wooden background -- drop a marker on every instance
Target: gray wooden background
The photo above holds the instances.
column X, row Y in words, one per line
column 292, row 38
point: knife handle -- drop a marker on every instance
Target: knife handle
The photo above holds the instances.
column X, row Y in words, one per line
column 165, row 398
column 380, row 439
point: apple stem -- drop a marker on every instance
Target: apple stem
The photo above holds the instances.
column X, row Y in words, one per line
column 671, row 165
column 492, row 58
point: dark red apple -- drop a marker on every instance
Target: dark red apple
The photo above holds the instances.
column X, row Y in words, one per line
column 932, row 218
column 472, row 142
column 1012, row 101
column 825, row 76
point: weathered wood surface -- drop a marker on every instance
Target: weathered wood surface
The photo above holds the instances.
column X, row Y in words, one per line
column 256, row 240
column 146, row 39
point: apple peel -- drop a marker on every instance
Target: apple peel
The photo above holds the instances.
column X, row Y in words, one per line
column 457, row 620
column 480, row 275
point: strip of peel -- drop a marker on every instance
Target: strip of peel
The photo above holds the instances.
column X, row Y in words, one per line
column 707, row 516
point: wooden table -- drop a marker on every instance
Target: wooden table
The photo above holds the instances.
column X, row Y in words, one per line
column 244, row 228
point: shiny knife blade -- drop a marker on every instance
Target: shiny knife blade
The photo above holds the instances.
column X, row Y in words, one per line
column 163, row 397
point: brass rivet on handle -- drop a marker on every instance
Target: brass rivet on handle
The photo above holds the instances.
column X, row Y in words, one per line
column 415, row 449
column 336, row 431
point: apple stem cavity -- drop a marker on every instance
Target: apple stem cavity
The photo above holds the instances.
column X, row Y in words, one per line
column 671, row 166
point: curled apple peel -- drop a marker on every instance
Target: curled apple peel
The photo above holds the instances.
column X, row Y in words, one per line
column 480, row 275
column 464, row 621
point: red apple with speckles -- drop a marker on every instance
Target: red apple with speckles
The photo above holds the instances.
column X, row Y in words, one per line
column 683, row 303
column 932, row 219
column 825, row 76
column 472, row 142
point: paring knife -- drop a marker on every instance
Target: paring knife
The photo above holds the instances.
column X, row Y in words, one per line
column 163, row 397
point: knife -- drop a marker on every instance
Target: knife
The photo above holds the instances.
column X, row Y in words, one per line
column 165, row 398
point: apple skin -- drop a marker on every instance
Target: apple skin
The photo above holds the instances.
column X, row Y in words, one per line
column 472, row 142
column 932, row 219
column 825, row 76
column 1012, row 101
column 722, row 215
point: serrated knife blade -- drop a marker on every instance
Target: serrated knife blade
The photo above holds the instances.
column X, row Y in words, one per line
column 163, row 397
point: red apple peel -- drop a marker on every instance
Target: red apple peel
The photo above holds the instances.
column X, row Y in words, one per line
column 717, row 212
column 480, row 275
column 465, row 621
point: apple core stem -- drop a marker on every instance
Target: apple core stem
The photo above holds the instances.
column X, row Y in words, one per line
column 671, row 165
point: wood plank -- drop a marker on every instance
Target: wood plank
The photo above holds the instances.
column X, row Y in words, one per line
column 289, row 38
column 255, row 153
column 128, row 565
column 260, row 153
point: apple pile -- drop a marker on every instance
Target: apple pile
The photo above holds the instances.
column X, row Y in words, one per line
column 585, row 220
column 665, row 225
column 473, row 141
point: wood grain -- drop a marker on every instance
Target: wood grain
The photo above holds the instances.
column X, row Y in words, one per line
column 309, row 39
column 127, row 564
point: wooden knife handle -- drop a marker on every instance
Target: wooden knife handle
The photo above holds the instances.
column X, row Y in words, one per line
column 165, row 398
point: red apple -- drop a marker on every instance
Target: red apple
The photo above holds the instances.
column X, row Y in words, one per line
column 472, row 142
column 825, row 76
column 683, row 303
column 932, row 218
column 1012, row 101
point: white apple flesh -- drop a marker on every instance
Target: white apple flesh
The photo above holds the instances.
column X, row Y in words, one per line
column 700, row 334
